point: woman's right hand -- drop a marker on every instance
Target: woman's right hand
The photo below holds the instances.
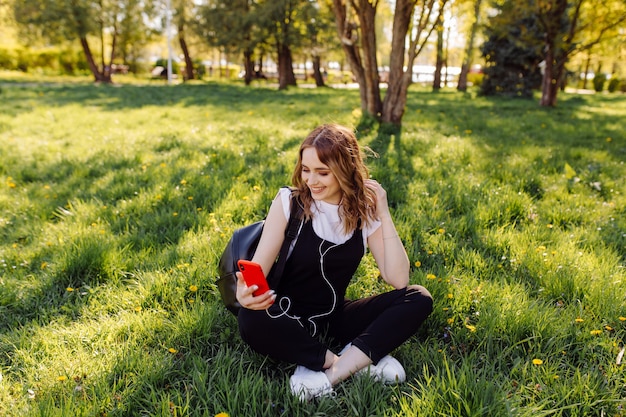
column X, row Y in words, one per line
column 248, row 300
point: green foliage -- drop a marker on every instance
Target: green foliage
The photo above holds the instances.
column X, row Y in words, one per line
column 162, row 62
column 7, row 59
column 115, row 204
column 512, row 52
column 598, row 82
column 614, row 84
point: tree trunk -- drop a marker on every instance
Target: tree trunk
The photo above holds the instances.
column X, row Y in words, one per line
column 439, row 59
column 349, row 37
column 248, row 65
column 108, row 69
column 286, row 76
column 549, row 85
column 189, row 75
column 587, row 63
column 367, row 17
column 467, row 62
column 317, row 74
column 93, row 67
column 260, row 70
column 399, row 79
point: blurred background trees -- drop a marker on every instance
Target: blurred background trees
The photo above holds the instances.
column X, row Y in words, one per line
column 510, row 47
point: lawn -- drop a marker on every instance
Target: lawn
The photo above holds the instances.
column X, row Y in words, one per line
column 116, row 201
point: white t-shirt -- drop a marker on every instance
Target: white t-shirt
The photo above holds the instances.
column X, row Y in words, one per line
column 326, row 221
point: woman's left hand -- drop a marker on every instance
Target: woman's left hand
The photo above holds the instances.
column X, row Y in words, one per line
column 382, row 206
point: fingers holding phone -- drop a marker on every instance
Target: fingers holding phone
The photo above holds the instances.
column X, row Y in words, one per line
column 253, row 291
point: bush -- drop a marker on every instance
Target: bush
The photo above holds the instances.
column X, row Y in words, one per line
column 162, row 62
column 7, row 59
column 54, row 60
column 614, row 84
column 598, row 82
column 475, row 78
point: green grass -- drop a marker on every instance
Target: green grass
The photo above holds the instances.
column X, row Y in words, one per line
column 116, row 201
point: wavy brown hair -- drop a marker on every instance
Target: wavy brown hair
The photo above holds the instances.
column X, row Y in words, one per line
column 338, row 148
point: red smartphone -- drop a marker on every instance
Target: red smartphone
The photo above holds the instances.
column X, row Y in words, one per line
column 253, row 275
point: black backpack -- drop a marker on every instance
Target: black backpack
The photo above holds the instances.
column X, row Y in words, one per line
column 242, row 245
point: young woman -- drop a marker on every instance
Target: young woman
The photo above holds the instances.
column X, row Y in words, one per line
column 345, row 212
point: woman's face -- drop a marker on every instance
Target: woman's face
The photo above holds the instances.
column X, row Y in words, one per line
column 319, row 178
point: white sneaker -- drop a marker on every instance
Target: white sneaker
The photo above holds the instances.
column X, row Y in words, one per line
column 388, row 370
column 308, row 384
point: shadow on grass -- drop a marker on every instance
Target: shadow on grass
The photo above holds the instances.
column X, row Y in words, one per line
column 393, row 168
column 111, row 210
column 232, row 97
column 503, row 126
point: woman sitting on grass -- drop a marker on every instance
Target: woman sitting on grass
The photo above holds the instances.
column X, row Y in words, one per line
column 345, row 212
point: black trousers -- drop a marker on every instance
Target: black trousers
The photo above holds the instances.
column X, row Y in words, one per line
column 376, row 325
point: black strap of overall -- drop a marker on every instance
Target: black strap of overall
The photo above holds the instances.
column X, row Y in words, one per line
column 291, row 232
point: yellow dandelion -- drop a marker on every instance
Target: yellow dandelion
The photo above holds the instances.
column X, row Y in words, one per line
column 609, row 139
column 470, row 328
column 172, row 350
column 191, row 301
column 190, row 198
column 596, row 332
column 245, row 197
column 193, row 288
column 69, row 289
column 537, row 362
column 579, row 320
column 138, row 309
column 609, row 328
column 418, row 264
column 256, row 188
column 450, row 295
column 44, row 265
column 441, row 231
column 162, row 164
column 450, row 321
column 549, row 226
column 175, row 214
column 61, row 378
column 222, row 414
column 622, row 318
column 431, row 276
column 183, row 182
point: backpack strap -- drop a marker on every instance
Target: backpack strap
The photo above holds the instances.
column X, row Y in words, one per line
column 291, row 232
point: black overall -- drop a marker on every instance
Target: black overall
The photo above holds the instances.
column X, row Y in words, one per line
column 311, row 302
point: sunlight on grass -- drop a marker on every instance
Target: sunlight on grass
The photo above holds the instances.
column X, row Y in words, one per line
column 116, row 202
